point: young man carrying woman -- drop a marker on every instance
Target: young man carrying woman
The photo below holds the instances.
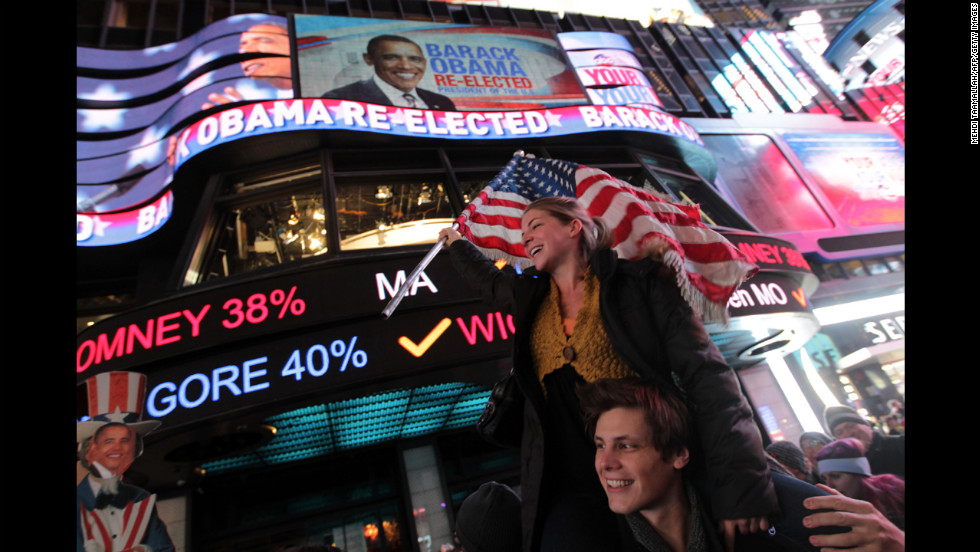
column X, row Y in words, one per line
column 582, row 314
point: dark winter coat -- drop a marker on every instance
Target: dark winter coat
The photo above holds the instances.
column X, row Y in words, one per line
column 786, row 534
column 887, row 454
column 659, row 336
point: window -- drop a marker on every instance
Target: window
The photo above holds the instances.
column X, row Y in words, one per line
column 389, row 211
column 687, row 187
column 854, row 268
column 89, row 13
column 268, row 216
column 834, row 271
column 896, row 263
column 473, row 182
column 294, row 211
column 129, row 13
column 876, row 266
column 768, row 190
column 264, row 219
column 268, row 233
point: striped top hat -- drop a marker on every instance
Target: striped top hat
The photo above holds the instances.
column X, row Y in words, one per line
column 115, row 397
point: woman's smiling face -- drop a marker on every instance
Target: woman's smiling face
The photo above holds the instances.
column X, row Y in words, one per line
column 547, row 240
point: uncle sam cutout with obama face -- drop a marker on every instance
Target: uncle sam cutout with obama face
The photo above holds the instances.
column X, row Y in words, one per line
column 111, row 515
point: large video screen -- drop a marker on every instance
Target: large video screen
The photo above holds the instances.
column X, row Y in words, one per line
column 441, row 66
column 862, row 175
column 129, row 104
column 764, row 184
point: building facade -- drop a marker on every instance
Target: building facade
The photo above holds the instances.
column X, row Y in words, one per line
column 240, row 232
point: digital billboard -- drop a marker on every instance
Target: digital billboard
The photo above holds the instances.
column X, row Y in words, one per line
column 606, row 66
column 98, row 229
column 130, row 103
column 765, row 185
column 861, row 174
column 870, row 50
column 882, row 104
column 441, row 66
column 276, row 116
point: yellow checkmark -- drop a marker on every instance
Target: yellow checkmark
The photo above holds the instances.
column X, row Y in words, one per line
column 421, row 348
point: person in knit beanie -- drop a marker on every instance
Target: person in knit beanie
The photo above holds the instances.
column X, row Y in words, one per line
column 791, row 457
column 489, row 520
column 811, row 442
column 885, row 453
column 838, row 414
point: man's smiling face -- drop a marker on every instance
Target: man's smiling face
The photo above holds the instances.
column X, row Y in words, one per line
column 114, row 447
column 400, row 64
column 634, row 474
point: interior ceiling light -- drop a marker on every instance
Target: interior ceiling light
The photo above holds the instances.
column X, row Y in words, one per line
column 344, row 425
column 384, row 192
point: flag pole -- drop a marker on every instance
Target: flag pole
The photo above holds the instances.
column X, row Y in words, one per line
column 410, row 281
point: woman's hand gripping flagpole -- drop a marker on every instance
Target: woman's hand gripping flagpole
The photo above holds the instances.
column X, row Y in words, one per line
column 410, row 281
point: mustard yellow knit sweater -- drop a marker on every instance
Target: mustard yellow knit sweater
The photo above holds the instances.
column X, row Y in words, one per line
column 588, row 349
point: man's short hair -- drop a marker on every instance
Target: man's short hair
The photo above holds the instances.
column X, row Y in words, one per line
column 375, row 43
column 665, row 412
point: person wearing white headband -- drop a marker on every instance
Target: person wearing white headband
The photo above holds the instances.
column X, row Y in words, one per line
column 858, row 466
column 845, row 468
column 844, row 474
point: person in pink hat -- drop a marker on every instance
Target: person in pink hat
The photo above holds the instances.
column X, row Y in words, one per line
column 113, row 516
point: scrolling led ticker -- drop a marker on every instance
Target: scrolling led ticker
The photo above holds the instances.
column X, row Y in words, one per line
column 303, row 362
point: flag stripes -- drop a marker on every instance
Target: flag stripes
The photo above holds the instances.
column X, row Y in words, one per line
column 709, row 268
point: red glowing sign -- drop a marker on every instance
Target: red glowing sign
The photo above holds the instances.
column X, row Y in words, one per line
column 255, row 309
column 97, row 229
column 773, row 254
column 769, row 253
column 242, row 311
column 186, row 324
column 503, row 323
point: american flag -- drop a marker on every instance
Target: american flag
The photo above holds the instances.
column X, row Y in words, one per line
column 708, row 267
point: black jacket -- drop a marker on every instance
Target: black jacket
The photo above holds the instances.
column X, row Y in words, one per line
column 659, row 336
column 887, row 454
column 786, row 534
